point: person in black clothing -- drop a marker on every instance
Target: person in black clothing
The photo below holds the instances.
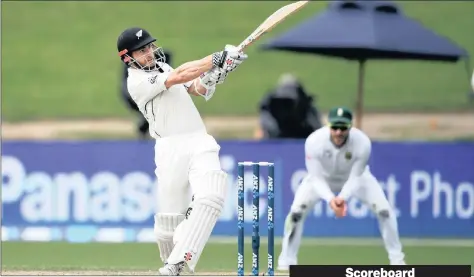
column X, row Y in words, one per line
column 288, row 111
column 142, row 126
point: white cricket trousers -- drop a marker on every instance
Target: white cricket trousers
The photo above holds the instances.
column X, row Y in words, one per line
column 181, row 160
column 368, row 192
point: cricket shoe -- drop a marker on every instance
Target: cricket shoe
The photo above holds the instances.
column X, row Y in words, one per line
column 285, row 265
column 172, row 269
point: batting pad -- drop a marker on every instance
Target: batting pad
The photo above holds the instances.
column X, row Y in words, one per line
column 208, row 205
column 165, row 225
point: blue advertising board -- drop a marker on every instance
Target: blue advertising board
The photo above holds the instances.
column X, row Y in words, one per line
column 76, row 191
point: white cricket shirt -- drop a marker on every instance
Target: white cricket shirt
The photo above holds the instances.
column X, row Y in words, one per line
column 337, row 165
column 168, row 111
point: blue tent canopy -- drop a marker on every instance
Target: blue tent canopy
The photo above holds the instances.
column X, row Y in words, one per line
column 364, row 30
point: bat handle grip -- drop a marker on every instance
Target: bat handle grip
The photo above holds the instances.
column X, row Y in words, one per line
column 242, row 46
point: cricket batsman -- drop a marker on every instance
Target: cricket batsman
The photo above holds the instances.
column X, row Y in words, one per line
column 186, row 156
column 336, row 161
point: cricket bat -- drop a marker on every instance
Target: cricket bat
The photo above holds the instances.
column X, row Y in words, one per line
column 271, row 21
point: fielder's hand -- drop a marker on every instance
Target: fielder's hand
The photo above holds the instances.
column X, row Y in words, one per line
column 339, row 206
column 229, row 59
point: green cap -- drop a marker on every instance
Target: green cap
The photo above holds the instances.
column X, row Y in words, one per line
column 340, row 116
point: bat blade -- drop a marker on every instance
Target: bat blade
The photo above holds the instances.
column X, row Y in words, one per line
column 271, row 21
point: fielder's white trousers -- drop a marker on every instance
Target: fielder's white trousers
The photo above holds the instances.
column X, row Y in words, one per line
column 181, row 161
column 368, row 192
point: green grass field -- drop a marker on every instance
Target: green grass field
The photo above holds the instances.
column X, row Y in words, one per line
column 59, row 58
column 220, row 255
